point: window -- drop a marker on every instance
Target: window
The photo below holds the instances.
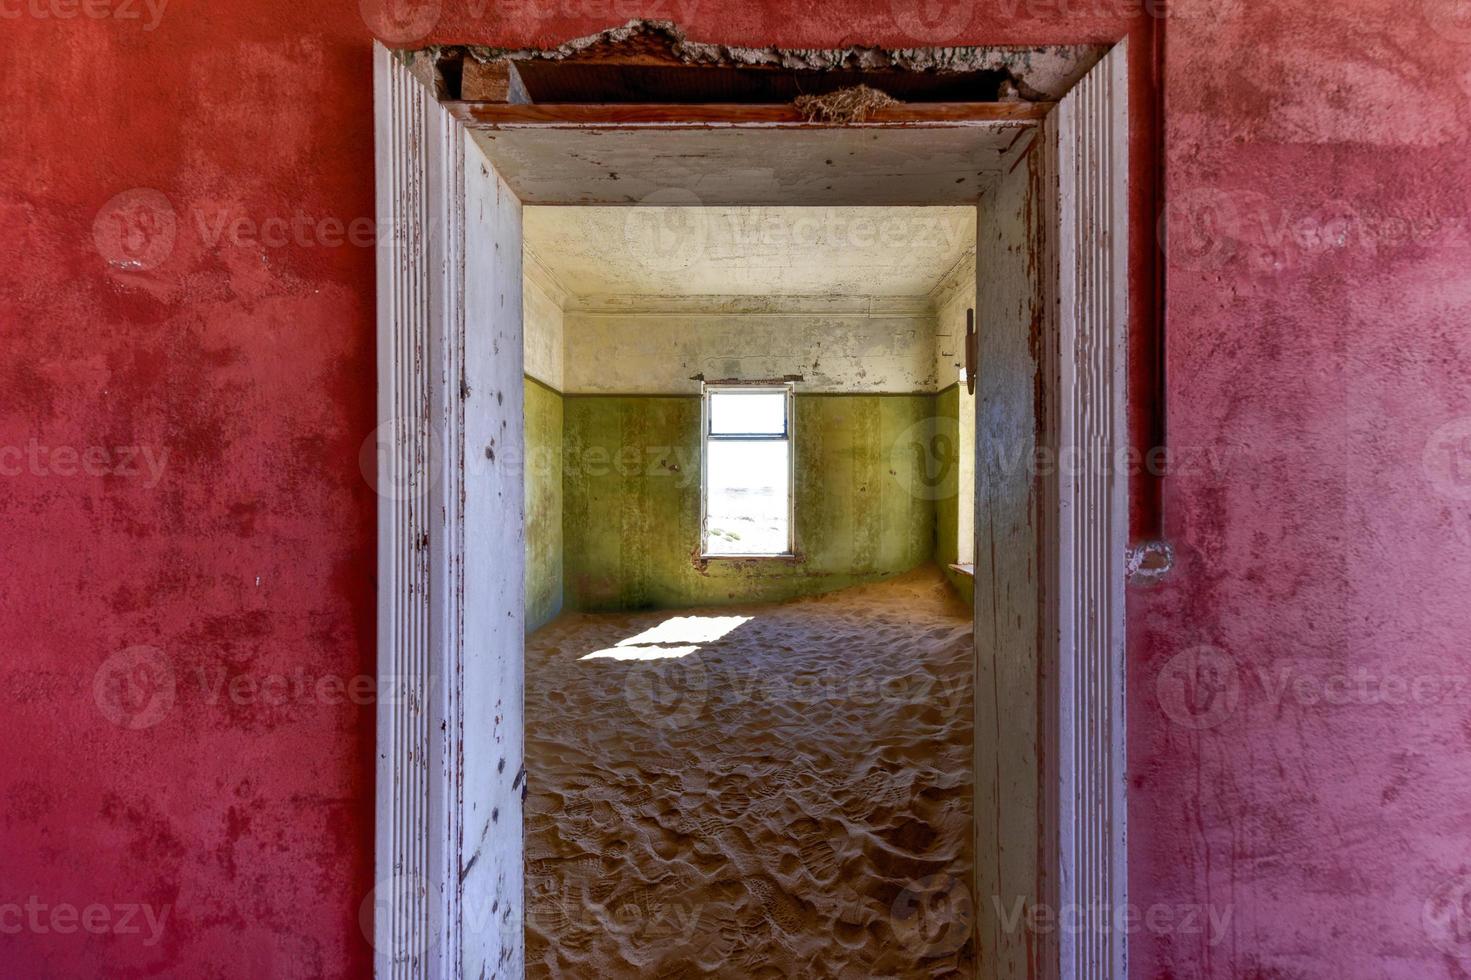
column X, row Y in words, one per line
column 746, row 489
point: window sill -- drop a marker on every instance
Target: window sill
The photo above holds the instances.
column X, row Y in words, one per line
column 784, row 556
column 965, row 570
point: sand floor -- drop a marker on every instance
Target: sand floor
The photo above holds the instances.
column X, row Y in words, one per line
column 759, row 791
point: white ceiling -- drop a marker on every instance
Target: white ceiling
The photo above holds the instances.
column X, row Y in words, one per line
column 726, row 166
column 748, row 251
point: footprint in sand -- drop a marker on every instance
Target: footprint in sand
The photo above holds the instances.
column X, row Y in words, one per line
column 785, row 819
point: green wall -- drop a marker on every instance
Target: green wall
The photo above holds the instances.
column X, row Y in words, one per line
column 947, row 516
column 865, row 500
column 543, row 481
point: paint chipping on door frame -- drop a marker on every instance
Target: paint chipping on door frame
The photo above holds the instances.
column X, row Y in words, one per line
column 437, row 860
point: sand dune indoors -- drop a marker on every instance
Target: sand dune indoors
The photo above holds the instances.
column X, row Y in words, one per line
column 755, row 791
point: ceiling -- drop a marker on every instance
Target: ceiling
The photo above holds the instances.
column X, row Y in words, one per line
column 574, row 162
column 670, row 252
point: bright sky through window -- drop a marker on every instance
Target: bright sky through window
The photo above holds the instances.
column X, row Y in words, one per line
column 747, row 472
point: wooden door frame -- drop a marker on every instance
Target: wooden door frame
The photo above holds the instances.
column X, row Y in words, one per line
column 449, row 884
column 1086, row 390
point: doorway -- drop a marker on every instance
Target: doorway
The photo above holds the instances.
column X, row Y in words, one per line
column 1048, row 770
column 749, row 660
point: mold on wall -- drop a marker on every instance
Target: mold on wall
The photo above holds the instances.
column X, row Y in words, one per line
column 864, row 501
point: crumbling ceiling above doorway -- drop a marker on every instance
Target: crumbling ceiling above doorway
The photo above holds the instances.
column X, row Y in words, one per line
column 575, row 124
column 653, row 61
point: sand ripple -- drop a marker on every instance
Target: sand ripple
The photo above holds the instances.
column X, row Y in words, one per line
column 791, row 798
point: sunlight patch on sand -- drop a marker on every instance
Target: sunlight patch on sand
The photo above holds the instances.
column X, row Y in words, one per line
column 780, row 793
column 687, row 629
column 640, row 653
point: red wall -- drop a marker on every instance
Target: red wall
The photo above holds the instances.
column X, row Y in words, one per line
column 1316, row 353
column 1319, row 334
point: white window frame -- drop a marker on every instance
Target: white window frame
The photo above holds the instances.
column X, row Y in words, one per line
column 790, row 438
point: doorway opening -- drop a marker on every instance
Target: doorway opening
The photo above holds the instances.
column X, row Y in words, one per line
column 460, row 184
column 749, row 713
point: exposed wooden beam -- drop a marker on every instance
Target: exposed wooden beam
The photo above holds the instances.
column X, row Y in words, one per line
column 921, row 115
column 496, row 82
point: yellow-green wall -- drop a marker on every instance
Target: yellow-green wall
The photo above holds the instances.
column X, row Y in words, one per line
column 866, row 492
column 543, row 483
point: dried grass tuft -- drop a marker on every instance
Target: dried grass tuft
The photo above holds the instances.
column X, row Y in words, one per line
column 846, row 105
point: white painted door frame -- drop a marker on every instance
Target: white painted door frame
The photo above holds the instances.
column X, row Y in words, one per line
column 1050, row 518
column 448, row 901
column 1089, row 492
column 448, row 854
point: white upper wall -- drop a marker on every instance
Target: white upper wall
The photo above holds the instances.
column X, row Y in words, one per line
column 650, row 300
column 543, row 323
column 873, row 349
column 955, row 294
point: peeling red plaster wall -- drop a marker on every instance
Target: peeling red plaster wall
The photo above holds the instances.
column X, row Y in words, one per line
column 1318, row 339
column 1318, row 373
